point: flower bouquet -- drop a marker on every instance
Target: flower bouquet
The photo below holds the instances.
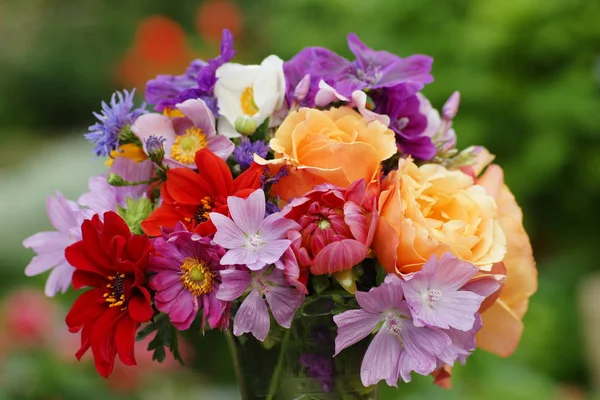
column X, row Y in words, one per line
column 316, row 210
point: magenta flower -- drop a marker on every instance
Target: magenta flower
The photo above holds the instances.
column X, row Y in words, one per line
column 66, row 217
column 186, row 132
column 187, row 279
column 253, row 314
column 104, row 197
column 252, row 239
column 435, row 297
column 337, row 227
column 399, row 346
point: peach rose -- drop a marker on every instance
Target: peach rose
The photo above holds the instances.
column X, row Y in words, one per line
column 431, row 210
column 502, row 325
column 337, row 146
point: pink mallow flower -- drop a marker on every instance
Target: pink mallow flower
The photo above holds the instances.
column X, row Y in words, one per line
column 66, row 217
column 188, row 275
column 399, row 346
column 187, row 129
column 253, row 240
column 337, row 227
column 253, row 314
column 435, row 295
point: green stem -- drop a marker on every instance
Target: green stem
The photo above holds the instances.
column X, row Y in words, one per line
column 233, row 346
column 277, row 373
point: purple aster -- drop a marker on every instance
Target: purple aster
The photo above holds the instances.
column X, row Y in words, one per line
column 113, row 120
column 399, row 346
column 252, row 239
column 197, row 83
column 253, row 314
column 267, row 178
column 155, row 144
column 435, row 295
column 104, row 197
column 187, row 279
column 244, row 152
column 413, row 119
column 320, row 368
column 66, row 217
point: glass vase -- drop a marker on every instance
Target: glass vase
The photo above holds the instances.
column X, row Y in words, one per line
column 298, row 363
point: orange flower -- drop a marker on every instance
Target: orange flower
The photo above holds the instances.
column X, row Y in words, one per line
column 502, row 325
column 336, row 146
column 431, row 210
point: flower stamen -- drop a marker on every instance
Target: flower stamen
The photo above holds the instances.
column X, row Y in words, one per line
column 185, row 147
column 197, row 277
column 202, row 212
column 116, row 297
column 249, row 107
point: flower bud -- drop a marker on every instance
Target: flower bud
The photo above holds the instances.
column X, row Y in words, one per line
column 451, row 107
column 302, row 88
column 116, row 180
column 245, row 125
column 155, row 148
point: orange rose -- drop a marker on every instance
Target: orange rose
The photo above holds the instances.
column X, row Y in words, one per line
column 430, row 210
column 502, row 325
column 336, row 146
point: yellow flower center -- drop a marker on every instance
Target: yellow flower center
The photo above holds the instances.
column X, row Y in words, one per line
column 185, row 147
column 249, row 107
column 115, row 297
column 202, row 212
column 197, row 277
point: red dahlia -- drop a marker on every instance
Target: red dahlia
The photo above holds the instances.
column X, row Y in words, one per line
column 113, row 262
column 189, row 196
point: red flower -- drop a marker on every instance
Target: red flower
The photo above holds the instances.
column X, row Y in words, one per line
column 189, row 196
column 113, row 262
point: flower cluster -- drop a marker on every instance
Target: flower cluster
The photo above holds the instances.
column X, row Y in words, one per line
column 253, row 189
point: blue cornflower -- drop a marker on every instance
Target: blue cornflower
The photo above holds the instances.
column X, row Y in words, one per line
column 244, row 153
column 115, row 117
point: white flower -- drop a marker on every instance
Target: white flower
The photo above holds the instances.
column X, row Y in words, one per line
column 257, row 91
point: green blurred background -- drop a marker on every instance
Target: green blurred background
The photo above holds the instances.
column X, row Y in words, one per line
column 529, row 75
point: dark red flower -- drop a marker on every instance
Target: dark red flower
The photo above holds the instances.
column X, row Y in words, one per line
column 113, row 262
column 189, row 196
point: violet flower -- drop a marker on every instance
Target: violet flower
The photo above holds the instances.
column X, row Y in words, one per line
column 399, row 346
column 435, row 295
column 66, row 217
column 244, row 152
column 103, row 196
column 197, row 83
column 114, row 118
column 252, row 239
column 187, row 279
column 253, row 314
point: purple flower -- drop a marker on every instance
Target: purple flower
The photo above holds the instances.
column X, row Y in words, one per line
column 320, row 368
column 197, row 83
column 253, row 315
column 66, row 217
column 268, row 179
column 413, row 119
column 252, row 239
column 381, row 69
column 104, row 197
column 445, row 138
column 436, row 296
column 244, row 152
column 399, row 346
column 113, row 120
column 187, row 279
column 155, row 144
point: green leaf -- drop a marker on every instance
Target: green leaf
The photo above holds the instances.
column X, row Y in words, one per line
column 135, row 212
column 321, row 283
column 166, row 337
column 262, row 132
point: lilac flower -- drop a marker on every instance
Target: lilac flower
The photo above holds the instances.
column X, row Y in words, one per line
column 267, row 179
column 252, row 239
column 66, row 217
column 253, row 315
column 187, row 279
column 104, row 197
column 113, row 119
column 244, row 152
column 155, row 144
column 399, row 346
column 197, row 83
column 381, row 69
column 435, row 297
column 445, row 138
column 320, row 368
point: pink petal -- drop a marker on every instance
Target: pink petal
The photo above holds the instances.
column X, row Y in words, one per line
column 45, row 261
column 43, row 242
column 452, row 273
column 381, row 360
column 59, row 279
column 214, row 309
column 275, row 226
column 353, row 326
column 457, row 310
column 386, row 296
column 359, row 100
column 327, row 95
column 200, row 115
column 183, row 306
column 284, row 302
column 273, row 250
column 221, row 146
column 155, row 124
column 241, row 256
column 248, row 213
column 228, row 234
column 60, row 213
column 233, row 284
column 422, row 344
column 356, row 220
column 252, row 316
column 339, row 256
